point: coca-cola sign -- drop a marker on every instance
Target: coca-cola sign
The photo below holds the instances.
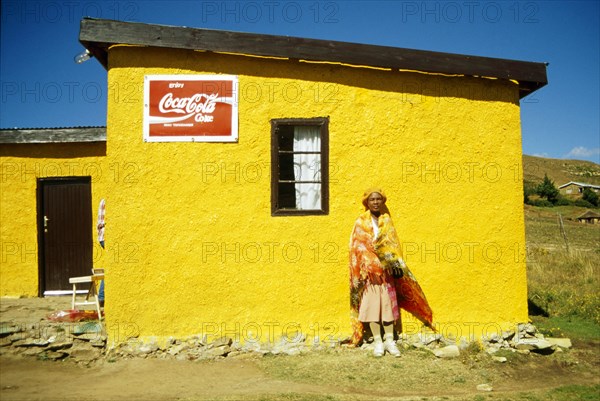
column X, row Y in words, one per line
column 193, row 108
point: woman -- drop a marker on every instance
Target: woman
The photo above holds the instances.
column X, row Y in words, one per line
column 372, row 286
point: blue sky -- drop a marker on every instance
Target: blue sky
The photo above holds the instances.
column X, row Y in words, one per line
column 41, row 86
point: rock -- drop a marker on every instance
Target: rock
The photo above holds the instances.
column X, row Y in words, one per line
column 416, row 345
column 241, row 355
column 58, row 345
column 448, row 341
column 222, row 350
column 494, row 338
column 499, row 359
column 7, row 329
column 252, row 347
column 508, row 335
column 54, row 355
column 5, row 342
column 484, row 387
column 221, row 342
column 147, row 348
column 89, row 327
column 127, row 349
column 204, row 340
column 429, row 338
column 530, row 329
column 84, row 354
column 526, row 329
column 539, row 345
column 292, row 351
column 100, row 343
column 450, row 351
column 30, row 342
column 88, row 337
column 31, row 352
column 561, row 342
column 532, row 343
column 176, row 349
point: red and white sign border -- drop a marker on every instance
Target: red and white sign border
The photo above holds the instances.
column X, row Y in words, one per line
column 190, row 138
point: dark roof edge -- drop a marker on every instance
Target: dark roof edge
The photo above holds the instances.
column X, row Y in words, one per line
column 53, row 135
column 97, row 35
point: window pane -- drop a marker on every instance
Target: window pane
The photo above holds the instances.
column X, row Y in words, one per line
column 285, row 137
column 307, row 167
column 308, row 196
column 286, row 196
column 286, row 167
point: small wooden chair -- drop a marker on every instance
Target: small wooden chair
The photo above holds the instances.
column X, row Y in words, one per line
column 92, row 295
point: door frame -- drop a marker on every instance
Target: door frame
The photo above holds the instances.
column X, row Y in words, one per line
column 41, row 182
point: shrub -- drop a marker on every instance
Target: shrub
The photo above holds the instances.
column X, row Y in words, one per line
column 562, row 201
column 548, row 190
column 529, row 188
column 590, row 196
column 583, row 203
column 541, row 203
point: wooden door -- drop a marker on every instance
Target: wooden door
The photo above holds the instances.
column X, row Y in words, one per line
column 64, row 232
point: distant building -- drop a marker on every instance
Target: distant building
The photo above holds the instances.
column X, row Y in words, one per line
column 574, row 189
column 589, row 217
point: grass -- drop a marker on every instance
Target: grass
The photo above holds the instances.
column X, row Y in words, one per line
column 563, row 283
column 571, row 327
column 358, row 369
column 543, row 230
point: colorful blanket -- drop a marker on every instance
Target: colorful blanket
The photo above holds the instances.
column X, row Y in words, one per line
column 371, row 262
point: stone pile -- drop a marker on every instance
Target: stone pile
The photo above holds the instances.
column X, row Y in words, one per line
column 525, row 339
column 199, row 348
column 81, row 342
column 86, row 342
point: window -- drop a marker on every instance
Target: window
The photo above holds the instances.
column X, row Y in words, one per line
column 300, row 166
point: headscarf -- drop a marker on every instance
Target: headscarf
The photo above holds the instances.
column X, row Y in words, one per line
column 368, row 193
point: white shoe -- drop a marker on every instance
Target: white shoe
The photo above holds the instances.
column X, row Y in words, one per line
column 391, row 347
column 378, row 349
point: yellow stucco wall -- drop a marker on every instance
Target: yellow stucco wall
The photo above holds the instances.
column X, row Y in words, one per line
column 193, row 248
column 20, row 167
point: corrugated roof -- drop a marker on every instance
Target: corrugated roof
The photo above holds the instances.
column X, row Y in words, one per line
column 53, row 135
column 581, row 184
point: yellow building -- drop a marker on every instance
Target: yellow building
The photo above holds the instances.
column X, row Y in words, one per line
column 242, row 159
column 50, row 181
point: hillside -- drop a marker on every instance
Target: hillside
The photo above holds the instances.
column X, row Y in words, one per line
column 560, row 171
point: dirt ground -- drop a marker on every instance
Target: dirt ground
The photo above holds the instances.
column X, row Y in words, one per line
column 419, row 375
